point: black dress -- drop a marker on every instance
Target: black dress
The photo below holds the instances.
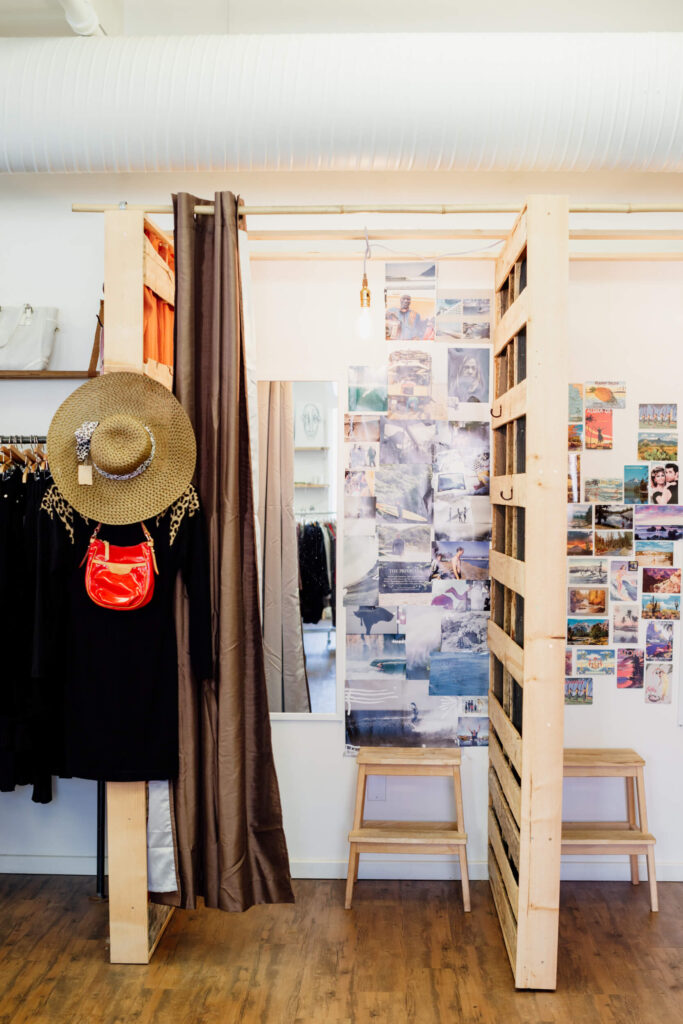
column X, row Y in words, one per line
column 119, row 668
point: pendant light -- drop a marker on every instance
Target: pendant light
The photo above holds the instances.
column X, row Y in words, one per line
column 364, row 322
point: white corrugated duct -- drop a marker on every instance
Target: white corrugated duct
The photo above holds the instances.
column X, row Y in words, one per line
column 555, row 102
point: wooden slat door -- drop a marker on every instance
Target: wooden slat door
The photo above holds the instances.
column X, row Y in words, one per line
column 528, row 581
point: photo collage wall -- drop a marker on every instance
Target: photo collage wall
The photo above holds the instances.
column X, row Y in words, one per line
column 417, row 521
column 624, row 576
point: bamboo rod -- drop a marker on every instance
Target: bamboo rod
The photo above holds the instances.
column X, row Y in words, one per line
column 491, row 256
column 343, row 209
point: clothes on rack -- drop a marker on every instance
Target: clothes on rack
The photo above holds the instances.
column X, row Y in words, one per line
column 158, row 320
column 317, row 569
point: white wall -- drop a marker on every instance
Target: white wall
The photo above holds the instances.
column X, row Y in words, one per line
column 625, row 324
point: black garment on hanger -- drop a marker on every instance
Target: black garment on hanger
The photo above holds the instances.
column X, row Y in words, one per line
column 315, row 584
column 120, row 667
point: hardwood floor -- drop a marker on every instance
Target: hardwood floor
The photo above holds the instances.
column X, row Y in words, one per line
column 405, row 953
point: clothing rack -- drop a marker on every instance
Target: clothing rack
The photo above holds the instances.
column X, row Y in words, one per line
column 23, row 439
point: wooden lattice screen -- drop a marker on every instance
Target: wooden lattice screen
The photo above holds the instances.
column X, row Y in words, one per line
column 528, row 570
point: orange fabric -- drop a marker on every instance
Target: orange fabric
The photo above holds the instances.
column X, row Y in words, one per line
column 158, row 315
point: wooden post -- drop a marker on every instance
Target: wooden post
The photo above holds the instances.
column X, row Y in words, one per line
column 528, row 570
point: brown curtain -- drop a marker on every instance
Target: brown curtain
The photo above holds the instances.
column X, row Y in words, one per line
column 231, row 845
column 283, row 641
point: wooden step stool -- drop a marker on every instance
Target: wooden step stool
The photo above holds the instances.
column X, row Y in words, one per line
column 629, row 837
column 436, row 837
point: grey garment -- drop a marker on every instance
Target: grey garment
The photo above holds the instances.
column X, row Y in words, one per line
column 161, row 863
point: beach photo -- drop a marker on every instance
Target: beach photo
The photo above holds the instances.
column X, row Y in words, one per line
column 460, row 560
column 601, row 394
column 636, row 484
column 657, row 446
column 658, row 683
column 368, row 388
column 588, row 571
column 476, row 305
column 576, row 403
column 598, row 433
column 661, row 606
column 623, row 580
column 463, row 674
column 603, row 489
column 595, row 663
column 578, row 691
column 404, row 493
column 662, row 517
column 587, row 601
column 654, row 552
column 659, row 640
column 376, row 657
column 588, row 632
column 625, row 623
column 466, row 515
column 630, row 668
column 464, row 448
column 658, row 415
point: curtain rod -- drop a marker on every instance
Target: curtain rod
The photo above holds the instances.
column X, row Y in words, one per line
column 439, row 209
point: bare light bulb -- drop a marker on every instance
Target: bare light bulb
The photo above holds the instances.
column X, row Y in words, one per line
column 364, row 322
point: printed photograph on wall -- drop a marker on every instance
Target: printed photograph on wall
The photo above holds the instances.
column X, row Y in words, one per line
column 658, row 415
column 623, row 580
column 606, row 490
column 361, row 428
column 658, row 677
column 578, row 691
column 636, row 485
column 658, row 522
column 404, row 493
column 462, row 595
column 406, row 441
column 468, row 376
column 587, row 571
column 587, row 601
column 359, row 508
column 575, row 437
column 598, row 434
column 661, row 581
column 359, row 455
column 360, row 571
column 409, row 314
column 654, row 552
column 576, row 403
column 580, row 517
column 613, row 542
column 410, row 372
column 368, row 388
column 371, row 619
column 614, row 517
column 661, row 606
column 460, row 560
column 403, row 578
column 595, row 663
column 574, row 477
column 579, row 542
column 657, row 446
column 404, row 543
column 625, row 623
column 463, row 631
column 464, row 674
column 630, row 668
column 376, row 656
column 659, row 640
column 359, row 483
column 568, row 661
column 423, row 638
column 664, row 483
column 463, row 448
column 588, row 632
column 463, row 315
column 602, row 394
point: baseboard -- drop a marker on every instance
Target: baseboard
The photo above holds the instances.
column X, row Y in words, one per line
column 37, row 864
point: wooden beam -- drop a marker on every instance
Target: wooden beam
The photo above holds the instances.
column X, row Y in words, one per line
column 127, row 851
column 509, row 406
column 512, row 249
column 496, row 841
column 507, row 651
column 511, row 323
column 505, row 915
column 508, row 783
column 510, row 739
column 507, row 570
column 123, row 275
column 509, row 489
column 508, row 826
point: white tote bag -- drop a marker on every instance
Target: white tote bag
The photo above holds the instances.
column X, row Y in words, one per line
column 27, row 336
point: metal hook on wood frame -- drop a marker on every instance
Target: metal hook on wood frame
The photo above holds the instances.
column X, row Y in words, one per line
column 496, row 415
column 508, row 498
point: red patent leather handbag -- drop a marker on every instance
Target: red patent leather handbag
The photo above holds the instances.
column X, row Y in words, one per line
column 120, row 578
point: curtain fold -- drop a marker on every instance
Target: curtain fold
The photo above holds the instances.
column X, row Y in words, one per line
column 283, row 642
column 231, row 844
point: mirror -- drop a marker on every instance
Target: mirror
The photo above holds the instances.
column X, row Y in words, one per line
column 297, row 514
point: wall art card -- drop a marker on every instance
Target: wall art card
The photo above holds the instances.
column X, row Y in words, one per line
column 466, row 518
column 568, row 661
column 579, row 543
column 464, row 674
column 636, row 484
column 587, row 601
column 578, row 691
column 473, row 732
column 658, row 682
column 460, row 560
column 576, row 403
column 661, row 606
column 625, row 623
column 361, row 428
column 463, row 450
column 658, row 522
column 580, row 517
column 449, row 317
column 630, row 668
column 360, row 576
column 623, row 580
column 588, row 632
column 409, row 314
column 661, row 581
column 376, row 657
column 423, row 638
column 474, row 706
column 659, row 640
column 654, row 552
column 374, row 694
column 361, row 455
column 468, row 376
column 404, row 493
column 477, row 304
column 574, row 477
column 359, row 483
column 410, row 372
column 588, row 571
column 359, row 508
column 664, row 483
column 463, row 315
column 477, row 531
column 595, row 662
column 657, row 446
column 598, row 433
column 419, row 721
column 613, row 542
column 601, row 394
column 404, row 543
column 605, row 490
column 418, row 275
column 575, row 437
column 368, row 388
column 372, row 619
column 463, row 631
column 405, row 578
column 411, row 407
column 658, row 416
column 614, row 517
column 406, row 442
column 462, row 595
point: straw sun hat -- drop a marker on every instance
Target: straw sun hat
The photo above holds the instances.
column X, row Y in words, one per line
column 138, row 440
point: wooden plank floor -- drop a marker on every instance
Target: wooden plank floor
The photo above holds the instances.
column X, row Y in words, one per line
column 405, row 953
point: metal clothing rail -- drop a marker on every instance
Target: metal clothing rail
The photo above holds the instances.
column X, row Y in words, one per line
column 23, row 439
column 424, row 208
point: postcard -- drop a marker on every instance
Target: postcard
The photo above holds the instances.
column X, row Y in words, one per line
column 661, row 606
column 405, row 578
column 574, row 477
column 602, row 394
column 588, row 632
column 476, row 330
column 376, row 657
column 578, row 691
column 630, row 665
column 579, row 542
column 463, row 450
column 461, row 315
column 614, row 517
column 587, row 601
column 636, row 485
column 462, row 517
column 595, row 663
column 580, row 517
column 654, row 552
column 405, row 442
column 598, row 428
column 359, row 483
column 586, row 571
column 576, row 403
column 469, row 375
column 660, row 416
column 374, row 694
column 661, row 581
column 604, row 490
column 423, row 638
column 360, row 576
column 404, row 543
column 410, row 372
column 449, row 317
column 420, row 275
column 361, row 455
column 478, row 304
column 625, row 623
column 623, row 580
column 409, row 314
column 658, row 682
column 460, row 560
column 575, row 437
column 462, row 595
column 568, row 661
column 659, row 640
column 368, row 619
column 473, row 732
column 667, row 516
column 463, row 631
column 657, row 446
column 464, row 674
column 474, row 706
column 358, row 508
column 613, row 542
column 404, row 493
column 361, row 428
column 664, row 483
column 411, row 407
column 368, row 388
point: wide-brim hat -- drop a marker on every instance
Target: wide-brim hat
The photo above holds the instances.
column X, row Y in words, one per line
column 138, row 441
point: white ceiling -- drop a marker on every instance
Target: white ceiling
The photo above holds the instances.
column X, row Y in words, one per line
column 180, row 17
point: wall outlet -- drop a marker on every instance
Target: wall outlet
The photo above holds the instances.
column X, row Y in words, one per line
column 376, row 787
